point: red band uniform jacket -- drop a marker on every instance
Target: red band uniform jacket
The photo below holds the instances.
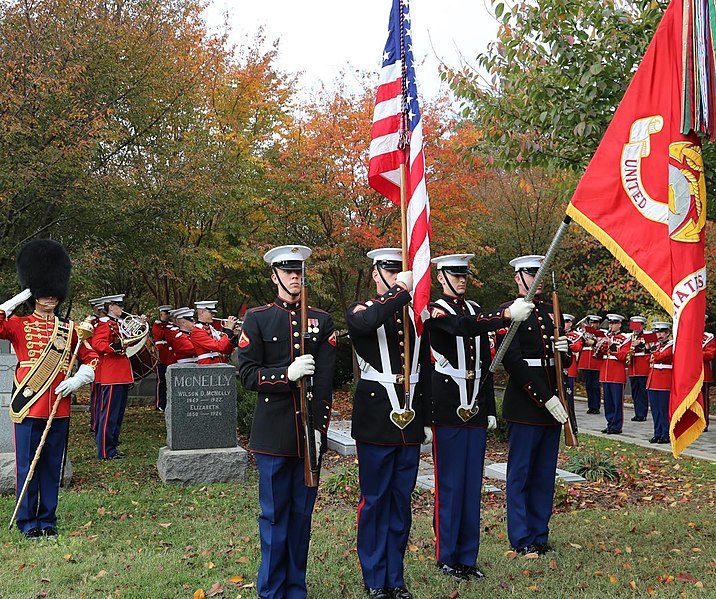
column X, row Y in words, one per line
column 269, row 343
column 29, row 335
column 114, row 366
column 662, row 357
column 576, row 342
column 613, row 353
column 529, row 361
column 182, row 347
column 458, row 331
column 212, row 346
column 376, row 330
column 162, row 334
column 709, row 351
column 639, row 363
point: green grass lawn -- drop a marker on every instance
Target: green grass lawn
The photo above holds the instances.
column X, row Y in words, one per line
column 126, row 534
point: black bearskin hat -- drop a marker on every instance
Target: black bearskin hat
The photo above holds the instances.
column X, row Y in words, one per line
column 43, row 266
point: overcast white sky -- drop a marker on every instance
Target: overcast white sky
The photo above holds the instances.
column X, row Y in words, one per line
column 323, row 37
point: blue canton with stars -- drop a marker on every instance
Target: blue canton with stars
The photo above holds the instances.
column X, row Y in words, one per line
column 391, row 54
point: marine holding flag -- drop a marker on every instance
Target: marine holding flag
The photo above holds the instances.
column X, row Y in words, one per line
column 643, row 196
column 397, row 141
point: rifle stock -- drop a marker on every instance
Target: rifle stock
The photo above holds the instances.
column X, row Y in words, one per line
column 570, row 438
column 311, row 465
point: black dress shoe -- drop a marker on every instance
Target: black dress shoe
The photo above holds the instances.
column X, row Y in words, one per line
column 377, row 593
column 654, row 440
column 613, row 431
column 33, row 533
column 663, row 441
column 605, row 430
column 590, row 411
column 529, row 549
column 50, row 532
column 472, row 572
column 638, row 419
column 455, row 572
column 400, row 593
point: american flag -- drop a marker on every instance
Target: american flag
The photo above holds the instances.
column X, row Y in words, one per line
column 397, row 138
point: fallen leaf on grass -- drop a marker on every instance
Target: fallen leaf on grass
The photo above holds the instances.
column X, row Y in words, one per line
column 101, row 573
column 68, row 558
column 454, row 595
column 216, row 589
column 44, row 580
column 699, row 584
column 210, row 565
column 199, row 594
column 165, row 524
column 412, row 548
column 650, row 591
column 553, row 564
column 238, row 579
column 242, row 560
column 575, row 546
column 21, row 567
column 613, row 579
column 533, row 587
column 511, row 554
column 686, row 577
column 632, row 585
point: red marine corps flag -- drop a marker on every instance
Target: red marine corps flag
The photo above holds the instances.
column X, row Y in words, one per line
column 397, row 139
column 643, row 195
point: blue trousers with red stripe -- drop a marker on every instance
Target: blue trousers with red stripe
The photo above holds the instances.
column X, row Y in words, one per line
column 284, row 526
column 614, row 405
column 112, row 401
column 94, row 400
column 38, row 507
column 458, row 459
column 639, row 396
column 659, row 401
column 387, row 478
column 531, row 469
column 591, row 386
column 161, row 393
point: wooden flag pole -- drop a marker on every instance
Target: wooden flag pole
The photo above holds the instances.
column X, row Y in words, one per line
column 407, row 368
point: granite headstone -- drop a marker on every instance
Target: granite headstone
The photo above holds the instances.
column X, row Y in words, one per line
column 201, row 426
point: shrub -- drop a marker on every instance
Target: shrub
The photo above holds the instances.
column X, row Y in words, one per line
column 593, row 466
column 343, row 483
column 245, row 403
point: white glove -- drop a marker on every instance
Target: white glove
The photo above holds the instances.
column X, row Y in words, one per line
column 555, row 408
column 520, row 309
column 14, row 302
column 304, row 365
column 561, row 345
column 83, row 376
column 317, row 438
column 491, row 423
column 405, row 278
column 428, row 432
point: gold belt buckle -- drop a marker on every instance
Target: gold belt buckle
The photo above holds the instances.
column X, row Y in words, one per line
column 470, row 375
column 399, row 379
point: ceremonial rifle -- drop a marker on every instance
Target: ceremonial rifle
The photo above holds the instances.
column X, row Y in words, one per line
column 570, row 438
column 549, row 256
column 311, row 466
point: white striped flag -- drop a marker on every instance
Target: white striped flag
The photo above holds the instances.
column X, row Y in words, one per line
column 397, row 138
